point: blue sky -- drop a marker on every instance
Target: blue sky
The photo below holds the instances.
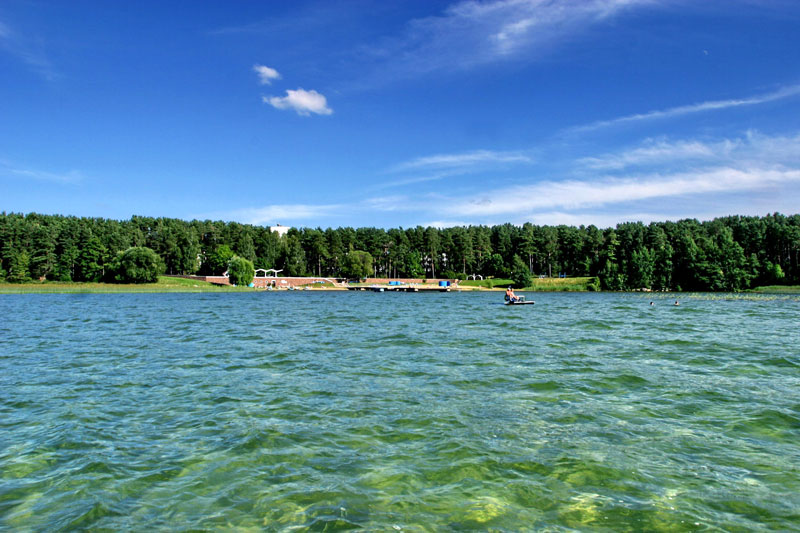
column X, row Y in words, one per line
column 396, row 114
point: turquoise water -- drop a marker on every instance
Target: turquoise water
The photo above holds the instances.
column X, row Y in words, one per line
column 399, row 412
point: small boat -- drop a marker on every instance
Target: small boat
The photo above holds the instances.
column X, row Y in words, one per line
column 519, row 301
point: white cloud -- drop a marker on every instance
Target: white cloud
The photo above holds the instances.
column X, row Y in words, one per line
column 413, row 180
column 266, row 74
column 653, row 152
column 586, row 218
column 753, row 164
column 471, row 33
column 441, row 166
column 656, row 180
column 462, row 160
column 302, row 101
column 712, row 105
column 575, row 194
column 751, row 149
column 273, row 214
column 387, row 203
column 9, row 170
column 441, row 224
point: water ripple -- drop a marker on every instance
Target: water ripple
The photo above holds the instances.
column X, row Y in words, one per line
column 328, row 411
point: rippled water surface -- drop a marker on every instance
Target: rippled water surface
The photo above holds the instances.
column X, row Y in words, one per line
column 412, row 412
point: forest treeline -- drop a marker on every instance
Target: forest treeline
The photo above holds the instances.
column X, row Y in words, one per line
column 724, row 254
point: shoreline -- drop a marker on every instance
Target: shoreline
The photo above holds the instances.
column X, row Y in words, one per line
column 165, row 288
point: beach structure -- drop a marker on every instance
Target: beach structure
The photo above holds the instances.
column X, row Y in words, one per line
column 267, row 273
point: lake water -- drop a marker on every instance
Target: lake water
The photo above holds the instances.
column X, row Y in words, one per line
column 399, row 412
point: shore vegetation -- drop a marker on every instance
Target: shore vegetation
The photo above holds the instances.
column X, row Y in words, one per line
column 240, row 271
column 727, row 254
column 163, row 284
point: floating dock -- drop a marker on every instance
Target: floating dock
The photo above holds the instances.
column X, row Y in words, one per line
column 402, row 288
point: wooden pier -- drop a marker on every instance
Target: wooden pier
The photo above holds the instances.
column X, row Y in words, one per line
column 402, row 288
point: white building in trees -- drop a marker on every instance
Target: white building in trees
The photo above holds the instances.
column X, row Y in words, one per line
column 281, row 230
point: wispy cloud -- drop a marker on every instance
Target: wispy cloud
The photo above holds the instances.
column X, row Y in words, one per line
column 471, row 33
column 657, row 152
column 462, row 160
column 712, row 105
column 655, row 180
column 753, row 163
column 586, row 218
column 442, row 224
column 753, row 148
column 273, row 214
column 609, row 191
column 441, row 166
column 412, row 180
column 395, row 202
column 266, row 74
column 28, row 49
column 464, row 35
column 9, row 170
column 644, row 182
column 302, row 101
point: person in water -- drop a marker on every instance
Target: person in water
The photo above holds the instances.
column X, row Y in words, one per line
column 510, row 296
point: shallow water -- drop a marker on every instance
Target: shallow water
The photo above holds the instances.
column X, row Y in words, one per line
column 412, row 412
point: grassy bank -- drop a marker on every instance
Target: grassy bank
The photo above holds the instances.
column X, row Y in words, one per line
column 164, row 284
column 560, row 284
column 539, row 284
column 493, row 283
column 778, row 289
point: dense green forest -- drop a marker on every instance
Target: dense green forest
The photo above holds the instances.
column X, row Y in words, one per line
column 725, row 254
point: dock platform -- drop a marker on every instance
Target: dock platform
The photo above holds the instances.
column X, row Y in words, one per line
column 402, row 288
